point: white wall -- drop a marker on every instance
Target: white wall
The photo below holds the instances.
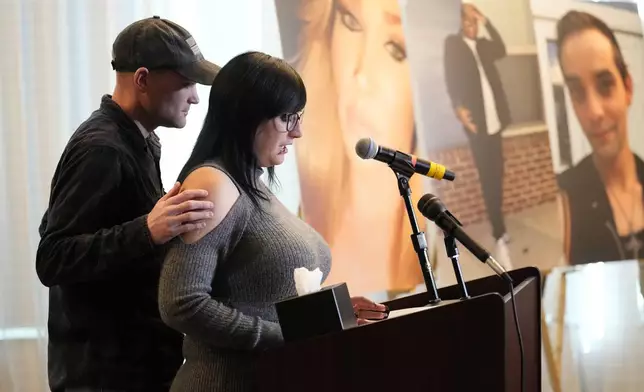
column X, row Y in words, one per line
column 516, row 30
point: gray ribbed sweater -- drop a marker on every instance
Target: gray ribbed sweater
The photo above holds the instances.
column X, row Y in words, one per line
column 221, row 291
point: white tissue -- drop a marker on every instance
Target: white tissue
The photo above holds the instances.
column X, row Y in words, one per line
column 307, row 281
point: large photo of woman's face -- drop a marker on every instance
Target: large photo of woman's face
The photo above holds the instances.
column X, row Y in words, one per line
column 369, row 65
column 352, row 55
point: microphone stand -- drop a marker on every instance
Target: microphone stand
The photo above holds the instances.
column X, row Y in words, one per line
column 403, row 173
column 452, row 254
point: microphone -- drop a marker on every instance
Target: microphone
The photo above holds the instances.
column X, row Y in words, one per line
column 366, row 148
column 433, row 209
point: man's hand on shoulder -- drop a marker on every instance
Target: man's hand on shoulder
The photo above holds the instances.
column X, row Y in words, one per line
column 179, row 212
column 222, row 193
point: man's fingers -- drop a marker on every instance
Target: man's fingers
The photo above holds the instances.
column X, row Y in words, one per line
column 172, row 192
column 191, row 217
column 190, row 205
column 469, row 124
column 188, row 195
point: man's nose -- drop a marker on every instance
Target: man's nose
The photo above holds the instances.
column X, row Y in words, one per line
column 194, row 95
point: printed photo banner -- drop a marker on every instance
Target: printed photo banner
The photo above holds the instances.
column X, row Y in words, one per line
column 477, row 86
column 352, row 55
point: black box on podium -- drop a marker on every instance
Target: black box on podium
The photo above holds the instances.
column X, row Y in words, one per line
column 319, row 313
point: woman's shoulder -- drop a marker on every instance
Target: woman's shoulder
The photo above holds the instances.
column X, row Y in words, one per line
column 223, row 192
column 213, row 167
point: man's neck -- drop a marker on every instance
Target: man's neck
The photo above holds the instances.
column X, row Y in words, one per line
column 133, row 110
column 468, row 39
column 620, row 172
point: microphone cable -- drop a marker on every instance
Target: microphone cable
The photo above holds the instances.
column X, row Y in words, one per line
column 518, row 329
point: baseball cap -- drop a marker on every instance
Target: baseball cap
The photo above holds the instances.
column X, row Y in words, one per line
column 156, row 43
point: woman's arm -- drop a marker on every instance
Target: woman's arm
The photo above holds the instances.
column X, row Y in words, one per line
column 185, row 286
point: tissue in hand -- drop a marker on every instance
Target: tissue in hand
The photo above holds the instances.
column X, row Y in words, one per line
column 307, row 281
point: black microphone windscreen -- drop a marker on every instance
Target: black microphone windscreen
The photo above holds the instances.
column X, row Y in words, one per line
column 430, row 206
column 366, row 148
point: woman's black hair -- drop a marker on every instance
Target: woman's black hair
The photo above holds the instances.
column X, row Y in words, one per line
column 251, row 88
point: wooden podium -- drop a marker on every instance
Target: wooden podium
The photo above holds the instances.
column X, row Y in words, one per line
column 459, row 345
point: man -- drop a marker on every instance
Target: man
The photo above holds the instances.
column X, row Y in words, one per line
column 103, row 235
column 602, row 200
column 480, row 104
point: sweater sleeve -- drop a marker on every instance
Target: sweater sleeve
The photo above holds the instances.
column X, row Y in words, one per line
column 185, row 287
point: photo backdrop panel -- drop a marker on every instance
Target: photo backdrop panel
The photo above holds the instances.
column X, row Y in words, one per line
column 587, row 97
column 506, row 188
column 353, row 57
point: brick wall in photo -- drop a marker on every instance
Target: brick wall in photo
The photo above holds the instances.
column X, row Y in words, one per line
column 529, row 177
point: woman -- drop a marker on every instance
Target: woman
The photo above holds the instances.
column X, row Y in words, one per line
column 353, row 58
column 219, row 286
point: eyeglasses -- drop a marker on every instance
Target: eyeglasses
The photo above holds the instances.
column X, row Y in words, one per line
column 292, row 120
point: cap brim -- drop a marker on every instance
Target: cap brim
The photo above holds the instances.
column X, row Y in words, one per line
column 202, row 72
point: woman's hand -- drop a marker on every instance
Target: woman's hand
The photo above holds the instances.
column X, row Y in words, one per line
column 367, row 311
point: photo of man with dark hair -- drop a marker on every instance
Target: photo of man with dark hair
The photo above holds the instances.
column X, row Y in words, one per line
column 601, row 196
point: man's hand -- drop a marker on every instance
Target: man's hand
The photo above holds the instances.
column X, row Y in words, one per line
column 471, row 9
column 366, row 310
column 480, row 17
column 177, row 213
column 465, row 117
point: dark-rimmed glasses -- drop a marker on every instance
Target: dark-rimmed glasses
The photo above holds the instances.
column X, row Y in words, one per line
column 292, row 120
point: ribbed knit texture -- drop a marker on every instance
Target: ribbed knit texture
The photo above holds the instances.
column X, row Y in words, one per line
column 221, row 291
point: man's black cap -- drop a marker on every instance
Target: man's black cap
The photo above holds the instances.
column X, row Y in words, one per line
column 155, row 44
